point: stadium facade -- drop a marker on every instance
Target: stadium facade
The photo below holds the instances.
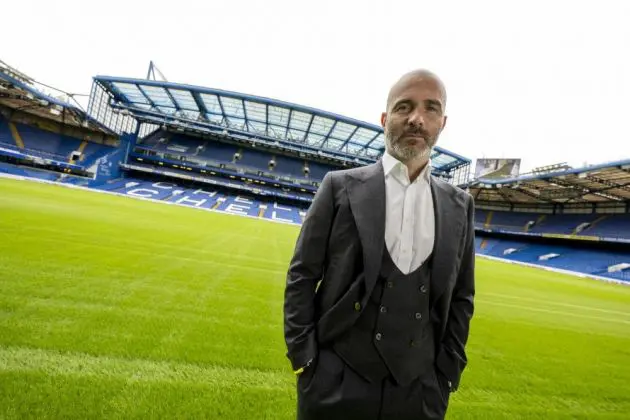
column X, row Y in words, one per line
column 253, row 156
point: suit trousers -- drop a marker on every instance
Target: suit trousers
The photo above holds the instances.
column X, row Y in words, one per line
column 332, row 390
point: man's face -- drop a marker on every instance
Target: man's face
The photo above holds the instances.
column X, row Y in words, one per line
column 414, row 118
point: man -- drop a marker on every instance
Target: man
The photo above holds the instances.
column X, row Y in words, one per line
column 379, row 292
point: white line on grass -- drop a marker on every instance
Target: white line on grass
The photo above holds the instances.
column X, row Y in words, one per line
column 215, row 260
column 555, row 312
column 556, row 303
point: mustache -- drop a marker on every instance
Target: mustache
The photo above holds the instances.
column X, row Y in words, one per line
column 415, row 133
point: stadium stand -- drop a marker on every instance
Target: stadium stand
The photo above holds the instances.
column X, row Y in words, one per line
column 589, row 261
column 259, row 157
column 47, row 144
column 238, row 156
column 206, row 197
column 589, row 205
column 290, row 133
column 7, row 168
column 600, row 225
column 6, row 138
column 609, row 226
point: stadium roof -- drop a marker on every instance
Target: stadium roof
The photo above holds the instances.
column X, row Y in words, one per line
column 258, row 117
column 608, row 182
column 20, row 92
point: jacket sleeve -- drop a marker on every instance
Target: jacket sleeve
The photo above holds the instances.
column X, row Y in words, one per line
column 305, row 271
column 452, row 359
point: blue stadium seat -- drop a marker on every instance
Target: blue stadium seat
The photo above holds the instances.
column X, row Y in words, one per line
column 6, row 138
column 617, row 225
column 8, row 168
column 512, row 221
column 46, row 141
column 595, row 262
column 318, row 170
column 603, row 225
column 290, row 166
column 47, row 144
column 255, row 159
column 224, row 153
column 563, row 223
column 219, row 152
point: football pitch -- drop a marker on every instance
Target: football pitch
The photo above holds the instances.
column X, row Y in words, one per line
column 112, row 307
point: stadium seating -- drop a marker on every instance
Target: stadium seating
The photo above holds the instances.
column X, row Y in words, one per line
column 610, row 226
column 46, row 144
column 588, row 261
column 224, row 153
column 45, row 141
column 6, row 138
column 504, row 220
column 255, row 159
column 205, row 197
column 317, row 170
column 563, row 223
column 94, row 151
column 613, row 225
column 7, row 168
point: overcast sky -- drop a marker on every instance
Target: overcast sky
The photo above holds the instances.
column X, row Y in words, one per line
column 545, row 81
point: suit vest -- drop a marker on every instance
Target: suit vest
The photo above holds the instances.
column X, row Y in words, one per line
column 393, row 336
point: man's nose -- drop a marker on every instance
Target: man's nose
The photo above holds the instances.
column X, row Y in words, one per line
column 416, row 119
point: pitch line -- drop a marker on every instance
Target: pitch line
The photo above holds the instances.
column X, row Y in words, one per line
column 553, row 302
column 555, row 312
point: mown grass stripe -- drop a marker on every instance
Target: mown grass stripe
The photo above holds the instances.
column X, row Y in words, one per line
column 19, row 359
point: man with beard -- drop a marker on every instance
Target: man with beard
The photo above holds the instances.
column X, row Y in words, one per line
column 379, row 292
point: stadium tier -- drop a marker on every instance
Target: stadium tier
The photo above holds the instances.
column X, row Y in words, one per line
column 614, row 265
column 184, row 146
column 166, row 147
column 610, row 226
column 542, row 217
column 31, row 141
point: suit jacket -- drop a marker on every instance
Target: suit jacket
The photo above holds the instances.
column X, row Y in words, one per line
column 338, row 255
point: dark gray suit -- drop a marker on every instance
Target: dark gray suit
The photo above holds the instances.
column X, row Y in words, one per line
column 333, row 276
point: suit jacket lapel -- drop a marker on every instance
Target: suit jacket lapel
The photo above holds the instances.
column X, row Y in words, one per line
column 366, row 193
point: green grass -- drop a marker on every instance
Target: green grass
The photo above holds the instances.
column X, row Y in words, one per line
column 118, row 308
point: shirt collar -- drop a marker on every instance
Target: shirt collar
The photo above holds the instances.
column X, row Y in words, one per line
column 389, row 163
column 392, row 166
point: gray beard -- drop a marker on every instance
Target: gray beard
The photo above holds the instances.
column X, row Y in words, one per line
column 405, row 154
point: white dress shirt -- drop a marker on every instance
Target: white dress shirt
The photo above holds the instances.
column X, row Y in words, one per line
column 409, row 217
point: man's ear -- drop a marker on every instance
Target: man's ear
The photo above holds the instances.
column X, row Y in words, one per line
column 444, row 122
column 383, row 119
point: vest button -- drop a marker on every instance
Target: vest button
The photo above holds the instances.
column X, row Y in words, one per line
column 423, row 288
column 379, row 336
column 418, row 315
column 357, row 306
column 383, row 309
column 390, row 284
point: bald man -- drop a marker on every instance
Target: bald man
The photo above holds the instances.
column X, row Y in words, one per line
column 379, row 292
